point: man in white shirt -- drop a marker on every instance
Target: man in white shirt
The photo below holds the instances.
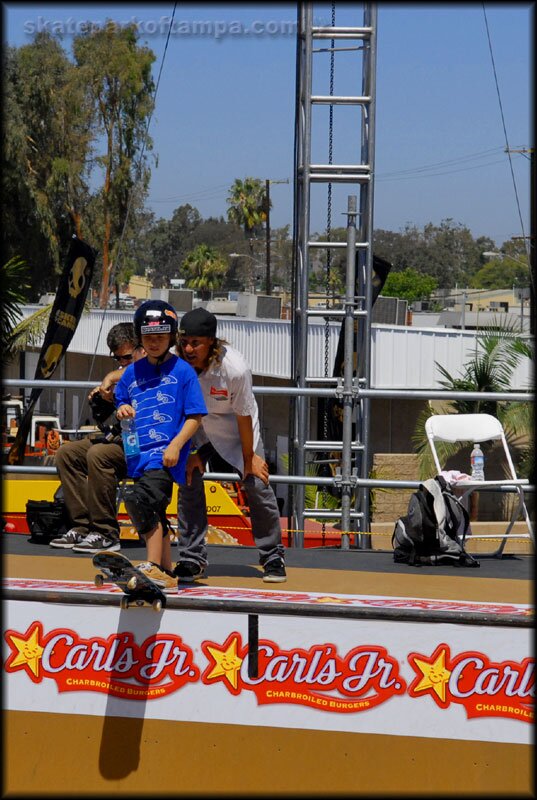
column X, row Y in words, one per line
column 231, row 429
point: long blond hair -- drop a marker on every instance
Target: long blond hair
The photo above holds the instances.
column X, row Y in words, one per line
column 216, row 351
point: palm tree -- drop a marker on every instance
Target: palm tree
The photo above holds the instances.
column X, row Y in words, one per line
column 204, row 269
column 490, row 370
column 248, row 205
column 28, row 332
column 314, row 496
column 12, row 297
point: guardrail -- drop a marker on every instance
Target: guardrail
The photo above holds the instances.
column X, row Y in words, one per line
column 253, row 607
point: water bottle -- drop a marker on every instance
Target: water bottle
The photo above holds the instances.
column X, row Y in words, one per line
column 131, row 442
column 477, row 460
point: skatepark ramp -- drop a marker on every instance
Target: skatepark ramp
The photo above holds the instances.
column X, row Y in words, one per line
column 330, row 688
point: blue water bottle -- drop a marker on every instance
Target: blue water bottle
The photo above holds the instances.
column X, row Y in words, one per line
column 131, row 442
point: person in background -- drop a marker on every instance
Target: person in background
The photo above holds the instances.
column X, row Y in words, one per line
column 91, row 468
column 162, row 395
column 231, row 429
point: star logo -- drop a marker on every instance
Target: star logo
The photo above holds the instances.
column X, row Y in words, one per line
column 26, row 651
column 433, row 676
column 328, row 599
column 226, row 662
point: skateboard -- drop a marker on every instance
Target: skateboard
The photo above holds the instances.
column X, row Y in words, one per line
column 139, row 589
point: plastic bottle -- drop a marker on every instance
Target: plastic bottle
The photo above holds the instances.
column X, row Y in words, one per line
column 477, row 460
column 131, row 442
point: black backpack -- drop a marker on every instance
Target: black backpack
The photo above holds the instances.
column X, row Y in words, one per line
column 434, row 529
column 47, row 519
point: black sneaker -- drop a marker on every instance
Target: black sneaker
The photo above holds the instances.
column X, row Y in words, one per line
column 274, row 571
column 188, row 571
column 68, row 540
column 95, row 543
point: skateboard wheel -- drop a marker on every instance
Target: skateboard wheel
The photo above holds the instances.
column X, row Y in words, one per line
column 132, row 583
column 99, row 580
column 157, row 605
column 124, row 603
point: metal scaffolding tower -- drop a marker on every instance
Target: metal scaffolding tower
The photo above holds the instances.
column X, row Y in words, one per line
column 354, row 310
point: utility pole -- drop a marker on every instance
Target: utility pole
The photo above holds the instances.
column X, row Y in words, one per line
column 268, row 287
column 533, row 233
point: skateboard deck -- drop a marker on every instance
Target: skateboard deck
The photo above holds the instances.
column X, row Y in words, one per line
column 138, row 588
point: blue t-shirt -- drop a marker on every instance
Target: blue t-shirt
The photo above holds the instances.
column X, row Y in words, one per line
column 162, row 397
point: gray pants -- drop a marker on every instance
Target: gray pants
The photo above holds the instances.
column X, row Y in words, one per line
column 192, row 520
column 90, row 473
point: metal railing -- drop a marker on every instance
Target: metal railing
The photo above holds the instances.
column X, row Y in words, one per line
column 302, row 480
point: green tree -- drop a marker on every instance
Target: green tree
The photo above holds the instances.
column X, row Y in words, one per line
column 446, row 252
column 404, row 250
column 247, row 202
column 217, row 232
column 227, row 238
column 116, row 74
column 137, row 257
column 409, row 285
column 282, row 257
column 44, row 170
column 166, row 244
column 13, row 293
column 501, row 274
column 328, row 267
column 204, row 269
column 315, row 496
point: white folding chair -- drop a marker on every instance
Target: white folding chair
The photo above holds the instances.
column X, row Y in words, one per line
column 480, row 428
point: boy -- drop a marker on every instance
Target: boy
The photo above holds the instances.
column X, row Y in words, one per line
column 162, row 394
column 90, row 469
column 231, row 428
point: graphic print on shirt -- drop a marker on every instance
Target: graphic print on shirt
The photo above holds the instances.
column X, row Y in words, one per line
column 218, row 394
column 161, row 402
column 148, row 409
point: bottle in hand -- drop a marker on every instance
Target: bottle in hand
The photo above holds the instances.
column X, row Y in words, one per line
column 131, row 442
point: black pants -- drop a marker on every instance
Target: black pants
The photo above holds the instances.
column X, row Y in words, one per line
column 153, row 492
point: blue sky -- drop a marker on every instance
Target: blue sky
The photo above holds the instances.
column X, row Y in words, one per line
column 225, row 106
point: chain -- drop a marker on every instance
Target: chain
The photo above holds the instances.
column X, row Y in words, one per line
column 329, row 250
column 329, row 212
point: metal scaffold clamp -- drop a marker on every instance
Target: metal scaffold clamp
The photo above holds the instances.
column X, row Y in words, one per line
column 350, row 480
column 341, row 392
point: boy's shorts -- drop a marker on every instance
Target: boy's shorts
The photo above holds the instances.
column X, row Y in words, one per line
column 154, row 489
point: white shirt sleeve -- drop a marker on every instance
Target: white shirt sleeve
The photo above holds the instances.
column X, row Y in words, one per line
column 242, row 397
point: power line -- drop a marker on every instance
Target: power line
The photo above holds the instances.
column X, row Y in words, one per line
column 396, row 177
column 508, row 150
column 446, row 162
column 201, row 194
column 211, row 192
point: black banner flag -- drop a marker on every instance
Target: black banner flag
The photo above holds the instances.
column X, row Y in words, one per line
column 334, row 407
column 67, row 308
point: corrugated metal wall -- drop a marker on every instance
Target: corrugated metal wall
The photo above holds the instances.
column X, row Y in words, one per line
column 402, row 357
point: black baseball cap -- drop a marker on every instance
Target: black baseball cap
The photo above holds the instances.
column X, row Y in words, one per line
column 198, row 322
